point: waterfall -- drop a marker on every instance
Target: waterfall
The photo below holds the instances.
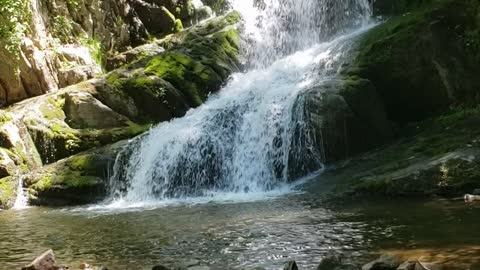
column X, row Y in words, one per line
column 21, row 201
column 245, row 138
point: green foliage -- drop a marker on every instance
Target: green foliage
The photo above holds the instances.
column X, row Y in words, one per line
column 96, row 49
column 15, row 19
column 62, row 29
column 73, row 3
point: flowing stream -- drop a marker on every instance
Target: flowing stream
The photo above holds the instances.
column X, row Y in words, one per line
column 243, row 139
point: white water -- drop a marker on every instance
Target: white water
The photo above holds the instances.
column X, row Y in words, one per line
column 242, row 140
column 21, row 201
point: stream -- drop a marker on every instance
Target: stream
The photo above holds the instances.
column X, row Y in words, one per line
column 238, row 232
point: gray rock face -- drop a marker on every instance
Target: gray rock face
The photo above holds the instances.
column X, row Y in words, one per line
column 85, row 111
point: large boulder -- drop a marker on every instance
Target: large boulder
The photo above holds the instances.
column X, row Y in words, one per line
column 79, row 179
column 424, row 61
column 343, row 118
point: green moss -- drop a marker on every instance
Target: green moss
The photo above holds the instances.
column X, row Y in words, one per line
column 5, row 118
column 178, row 25
column 419, row 62
column 191, row 77
column 52, row 109
column 96, row 49
column 407, row 167
column 6, row 191
column 63, row 180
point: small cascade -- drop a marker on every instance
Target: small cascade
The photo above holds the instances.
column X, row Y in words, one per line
column 21, row 201
column 250, row 137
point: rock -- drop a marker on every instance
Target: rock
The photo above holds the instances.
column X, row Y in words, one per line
column 347, row 120
column 35, row 66
column 7, row 192
column 147, row 50
column 84, row 111
column 443, row 71
column 79, row 179
column 157, row 19
column 407, row 265
column 291, row 265
column 385, row 262
column 46, row 261
column 476, row 192
column 471, row 198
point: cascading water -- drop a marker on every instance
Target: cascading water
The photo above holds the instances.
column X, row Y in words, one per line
column 245, row 138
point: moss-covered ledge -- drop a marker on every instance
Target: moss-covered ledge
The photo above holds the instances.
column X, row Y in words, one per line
column 436, row 157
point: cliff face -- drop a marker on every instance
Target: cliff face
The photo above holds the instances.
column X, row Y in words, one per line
column 47, row 45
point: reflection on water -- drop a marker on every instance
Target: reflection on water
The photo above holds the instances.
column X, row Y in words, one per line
column 263, row 233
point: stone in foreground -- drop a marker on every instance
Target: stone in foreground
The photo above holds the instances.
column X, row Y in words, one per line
column 46, row 261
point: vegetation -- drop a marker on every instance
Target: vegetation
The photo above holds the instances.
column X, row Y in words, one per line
column 15, row 17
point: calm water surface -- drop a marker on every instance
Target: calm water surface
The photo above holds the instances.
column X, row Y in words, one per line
column 233, row 235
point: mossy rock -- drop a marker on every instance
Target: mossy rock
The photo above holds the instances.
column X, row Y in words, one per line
column 424, row 61
column 79, row 179
column 7, row 192
column 196, row 63
column 438, row 156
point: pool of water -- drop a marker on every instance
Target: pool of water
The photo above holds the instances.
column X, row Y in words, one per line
column 230, row 235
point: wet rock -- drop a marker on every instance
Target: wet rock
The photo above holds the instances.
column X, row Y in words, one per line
column 46, row 261
column 291, row 265
column 79, row 179
column 385, row 262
